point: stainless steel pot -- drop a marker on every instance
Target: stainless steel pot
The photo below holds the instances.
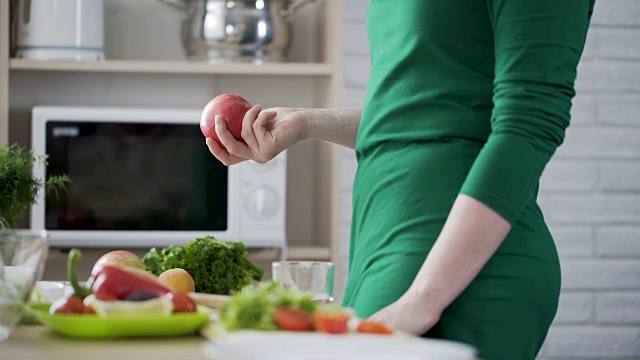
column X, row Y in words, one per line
column 237, row 30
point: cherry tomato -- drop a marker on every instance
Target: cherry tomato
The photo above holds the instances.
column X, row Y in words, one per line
column 182, row 302
column 372, row 327
column 292, row 319
column 72, row 305
column 87, row 310
column 330, row 322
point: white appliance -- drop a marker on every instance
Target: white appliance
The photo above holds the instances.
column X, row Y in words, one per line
column 60, row 29
column 145, row 177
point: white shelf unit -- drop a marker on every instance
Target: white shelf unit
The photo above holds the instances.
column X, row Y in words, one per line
column 175, row 67
column 312, row 83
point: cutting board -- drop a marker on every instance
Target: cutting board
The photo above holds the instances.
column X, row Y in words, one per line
column 209, row 300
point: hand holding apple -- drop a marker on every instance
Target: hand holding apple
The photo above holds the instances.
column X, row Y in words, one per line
column 229, row 107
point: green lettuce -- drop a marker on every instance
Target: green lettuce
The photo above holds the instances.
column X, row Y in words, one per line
column 217, row 267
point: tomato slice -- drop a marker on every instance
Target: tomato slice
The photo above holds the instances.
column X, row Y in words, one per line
column 292, row 319
column 372, row 327
column 182, row 302
column 72, row 305
column 330, row 322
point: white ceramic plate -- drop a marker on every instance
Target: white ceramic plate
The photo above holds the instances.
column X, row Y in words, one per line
column 280, row 345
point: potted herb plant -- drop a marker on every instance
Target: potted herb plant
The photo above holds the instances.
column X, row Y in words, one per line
column 18, row 185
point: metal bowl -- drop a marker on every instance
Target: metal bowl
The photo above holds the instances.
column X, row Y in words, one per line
column 237, row 30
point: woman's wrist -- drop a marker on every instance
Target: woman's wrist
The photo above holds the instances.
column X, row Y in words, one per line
column 432, row 298
column 311, row 120
column 339, row 126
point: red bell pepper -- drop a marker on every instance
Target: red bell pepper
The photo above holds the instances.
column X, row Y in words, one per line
column 115, row 282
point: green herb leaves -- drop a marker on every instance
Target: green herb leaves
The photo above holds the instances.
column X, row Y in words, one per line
column 18, row 185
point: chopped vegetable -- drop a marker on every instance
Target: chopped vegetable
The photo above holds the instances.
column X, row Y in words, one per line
column 373, row 327
column 330, row 322
column 71, row 305
column 182, row 302
column 158, row 306
column 217, row 267
column 254, row 307
column 292, row 319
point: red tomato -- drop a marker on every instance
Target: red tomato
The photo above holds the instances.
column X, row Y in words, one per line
column 72, row 305
column 330, row 322
column 182, row 302
column 372, row 327
column 292, row 319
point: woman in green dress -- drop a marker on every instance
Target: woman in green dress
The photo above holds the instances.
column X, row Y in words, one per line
column 466, row 103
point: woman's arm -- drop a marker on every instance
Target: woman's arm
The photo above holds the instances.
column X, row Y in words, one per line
column 269, row 132
column 339, row 126
column 470, row 236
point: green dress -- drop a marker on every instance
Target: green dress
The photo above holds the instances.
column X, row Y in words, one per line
column 472, row 97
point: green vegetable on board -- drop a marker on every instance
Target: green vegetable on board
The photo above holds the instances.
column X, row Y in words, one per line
column 217, row 267
column 253, row 307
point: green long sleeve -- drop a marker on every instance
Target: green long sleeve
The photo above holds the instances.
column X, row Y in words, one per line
column 537, row 48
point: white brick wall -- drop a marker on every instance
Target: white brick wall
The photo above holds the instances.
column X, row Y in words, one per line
column 590, row 192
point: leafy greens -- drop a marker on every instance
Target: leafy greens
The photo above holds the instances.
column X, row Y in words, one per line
column 253, row 307
column 217, row 267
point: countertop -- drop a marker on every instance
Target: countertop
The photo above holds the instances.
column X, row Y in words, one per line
column 31, row 342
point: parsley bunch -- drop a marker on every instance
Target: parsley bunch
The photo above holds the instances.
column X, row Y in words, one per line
column 18, row 185
column 217, row 267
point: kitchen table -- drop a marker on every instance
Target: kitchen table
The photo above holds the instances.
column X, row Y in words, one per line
column 32, row 342
column 29, row 342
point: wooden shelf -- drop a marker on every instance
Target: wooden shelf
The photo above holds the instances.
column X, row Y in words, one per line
column 174, row 67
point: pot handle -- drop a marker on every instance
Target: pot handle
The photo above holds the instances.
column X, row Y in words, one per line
column 294, row 7
column 176, row 4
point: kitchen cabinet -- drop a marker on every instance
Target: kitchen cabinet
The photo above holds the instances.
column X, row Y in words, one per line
column 145, row 67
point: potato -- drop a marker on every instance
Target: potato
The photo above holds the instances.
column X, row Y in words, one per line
column 178, row 279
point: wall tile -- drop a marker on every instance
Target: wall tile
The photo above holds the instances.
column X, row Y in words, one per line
column 619, row 109
column 618, row 308
column 574, row 308
column 577, row 342
column 569, row 176
column 618, row 241
column 573, row 241
column 600, row 274
column 616, row 13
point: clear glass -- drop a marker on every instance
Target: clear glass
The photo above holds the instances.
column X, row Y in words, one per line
column 315, row 277
column 23, row 254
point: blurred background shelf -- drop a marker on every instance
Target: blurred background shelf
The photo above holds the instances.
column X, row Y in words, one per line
column 174, row 67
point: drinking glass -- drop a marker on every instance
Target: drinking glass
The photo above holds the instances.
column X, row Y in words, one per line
column 23, row 254
column 315, row 277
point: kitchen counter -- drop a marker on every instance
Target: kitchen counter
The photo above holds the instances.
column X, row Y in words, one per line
column 30, row 342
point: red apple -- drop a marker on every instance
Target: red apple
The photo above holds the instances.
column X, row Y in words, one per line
column 117, row 258
column 231, row 108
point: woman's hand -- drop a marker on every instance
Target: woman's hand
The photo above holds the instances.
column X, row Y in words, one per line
column 266, row 133
column 470, row 236
column 409, row 314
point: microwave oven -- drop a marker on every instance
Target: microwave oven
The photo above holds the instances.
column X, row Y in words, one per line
column 144, row 177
